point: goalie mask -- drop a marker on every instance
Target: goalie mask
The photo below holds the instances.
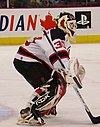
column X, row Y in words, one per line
column 67, row 23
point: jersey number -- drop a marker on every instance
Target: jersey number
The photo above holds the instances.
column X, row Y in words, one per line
column 59, row 44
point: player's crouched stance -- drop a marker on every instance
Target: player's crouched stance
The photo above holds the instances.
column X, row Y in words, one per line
column 45, row 98
column 36, row 61
column 43, row 101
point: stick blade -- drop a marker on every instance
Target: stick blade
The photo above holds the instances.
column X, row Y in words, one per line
column 95, row 120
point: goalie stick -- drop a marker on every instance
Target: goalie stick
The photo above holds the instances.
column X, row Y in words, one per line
column 95, row 120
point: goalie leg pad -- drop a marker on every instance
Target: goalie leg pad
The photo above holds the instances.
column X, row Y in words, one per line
column 43, row 101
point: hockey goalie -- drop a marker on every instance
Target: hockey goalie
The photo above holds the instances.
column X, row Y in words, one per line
column 38, row 63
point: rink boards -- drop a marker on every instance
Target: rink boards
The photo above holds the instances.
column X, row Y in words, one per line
column 17, row 27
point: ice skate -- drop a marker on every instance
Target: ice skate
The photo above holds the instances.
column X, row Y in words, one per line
column 27, row 118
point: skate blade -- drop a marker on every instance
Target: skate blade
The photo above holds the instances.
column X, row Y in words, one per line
column 26, row 123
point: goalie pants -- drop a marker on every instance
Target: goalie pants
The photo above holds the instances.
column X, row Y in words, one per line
column 35, row 73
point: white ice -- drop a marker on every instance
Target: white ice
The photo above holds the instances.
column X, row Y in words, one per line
column 15, row 91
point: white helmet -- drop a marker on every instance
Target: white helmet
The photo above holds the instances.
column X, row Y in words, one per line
column 67, row 23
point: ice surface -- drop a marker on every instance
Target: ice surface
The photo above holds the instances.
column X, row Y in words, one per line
column 15, row 91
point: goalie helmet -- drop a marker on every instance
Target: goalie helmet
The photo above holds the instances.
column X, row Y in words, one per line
column 67, row 23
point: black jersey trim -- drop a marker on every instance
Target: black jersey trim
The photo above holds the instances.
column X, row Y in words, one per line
column 62, row 54
column 57, row 34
